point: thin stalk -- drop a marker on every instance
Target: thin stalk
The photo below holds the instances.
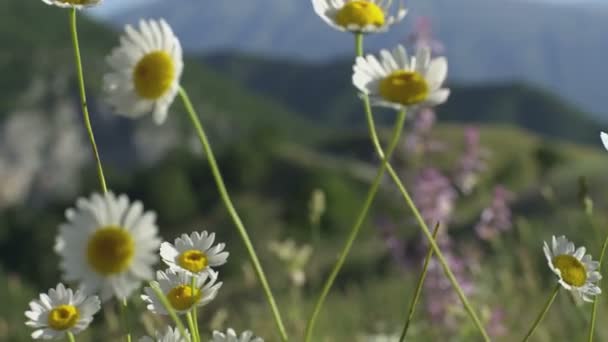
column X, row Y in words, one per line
column 422, row 225
column 191, row 326
column 197, row 335
column 542, row 314
column 421, row 279
column 71, row 337
column 124, row 317
column 597, row 298
column 371, row 194
column 232, row 211
column 83, row 100
column 163, row 299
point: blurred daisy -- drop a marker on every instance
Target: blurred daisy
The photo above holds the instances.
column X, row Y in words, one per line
column 146, row 69
column 176, row 285
column 170, row 335
column 398, row 81
column 79, row 4
column 193, row 253
column 576, row 271
column 359, row 16
column 604, row 137
column 231, row 336
column 108, row 245
column 61, row 311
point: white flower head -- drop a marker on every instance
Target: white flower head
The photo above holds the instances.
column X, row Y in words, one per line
column 61, row 311
column 108, row 244
column 78, row 4
column 170, row 335
column 194, row 253
column 397, row 81
column 145, row 71
column 577, row 272
column 359, row 16
column 231, row 336
column 604, row 137
column 176, row 285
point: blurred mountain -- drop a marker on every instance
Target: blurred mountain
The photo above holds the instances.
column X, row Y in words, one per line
column 323, row 92
column 558, row 47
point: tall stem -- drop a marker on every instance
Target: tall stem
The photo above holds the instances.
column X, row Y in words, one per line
column 71, row 337
column 371, row 194
column 542, row 314
column 124, row 316
column 422, row 225
column 232, row 211
column 414, row 302
column 597, row 298
column 83, row 100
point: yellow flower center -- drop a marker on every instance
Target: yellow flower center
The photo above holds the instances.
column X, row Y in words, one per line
column 153, row 75
column 361, row 13
column 110, row 250
column 63, row 317
column 183, row 297
column 193, row 260
column 572, row 270
column 404, row 87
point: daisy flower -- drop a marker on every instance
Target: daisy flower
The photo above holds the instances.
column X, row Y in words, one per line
column 575, row 269
column 231, row 336
column 398, row 81
column 193, row 253
column 170, row 335
column 108, row 245
column 176, row 285
column 604, row 137
column 61, row 311
column 78, row 4
column 358, row 16
column 145, row 71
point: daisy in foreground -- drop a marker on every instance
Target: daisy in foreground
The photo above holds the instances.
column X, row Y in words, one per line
column 176, row 285
column 358, row 16
column 193, row 253
column 146, row 69
column 575, row 270
column 108, row 245
column 397, row 81
column 60, row 312
column 170, row 335
column 78, row 4
column 231, row 336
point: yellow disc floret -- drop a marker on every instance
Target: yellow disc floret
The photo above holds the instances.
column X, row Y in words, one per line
column 572, row 270
column 193, row 260
column 63, row 317
column 183, row 297
column 360, row 13
column 153, row 75
column 110, row 250
column 404, row 87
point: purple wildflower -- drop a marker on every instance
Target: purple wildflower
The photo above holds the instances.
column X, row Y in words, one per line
column 434, row 196
column 496, row 218
column 471, row 163
column 419, row 140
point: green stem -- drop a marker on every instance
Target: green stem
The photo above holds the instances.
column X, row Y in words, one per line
column 414, row 302
column 83, row 100
column 71, row 337
column 357, row 226
column 163, row 299
column 232, row 211
column 422, row 225
column 192, row 326
column 124, row 316
column 542, row 313
column 597, row 298
column 197, row 336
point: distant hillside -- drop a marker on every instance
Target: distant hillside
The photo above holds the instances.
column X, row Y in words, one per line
column 558, row 47
column 324, row 93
